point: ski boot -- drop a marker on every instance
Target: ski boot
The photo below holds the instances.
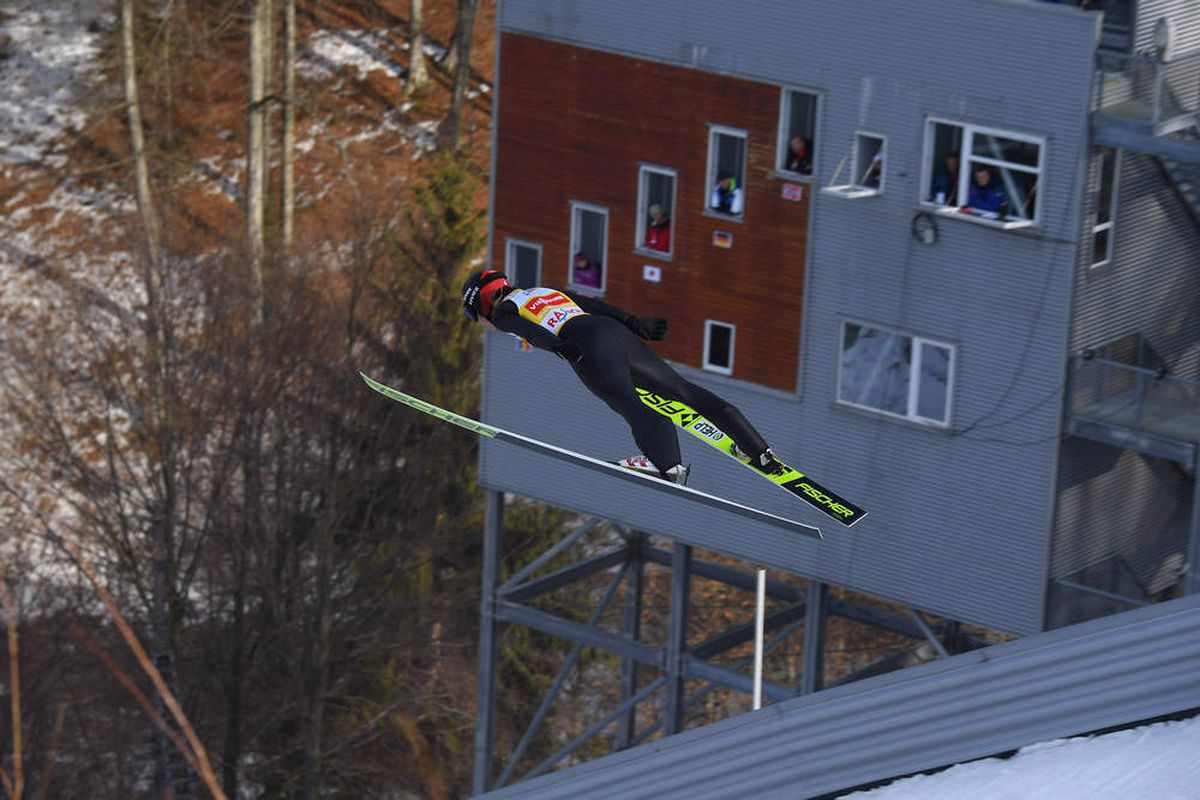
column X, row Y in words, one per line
column 766, row 463
column 676, row 474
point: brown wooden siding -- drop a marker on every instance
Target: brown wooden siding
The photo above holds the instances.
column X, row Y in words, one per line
column 576, row 124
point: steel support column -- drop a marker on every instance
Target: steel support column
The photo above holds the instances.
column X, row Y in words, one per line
column 812, row 672
column 681, row 565
column 1193, row 575
column 568, row 667
column 485, row 695
column 634, row 573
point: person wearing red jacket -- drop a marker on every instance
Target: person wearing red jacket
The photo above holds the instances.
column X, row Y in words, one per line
column 605, row 346
column 658, row 230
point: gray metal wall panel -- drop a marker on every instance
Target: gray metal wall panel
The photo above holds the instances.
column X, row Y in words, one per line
column 1121, row 508
column 1152, row 284
column 1121, row 520
column 959, row 523
column 1108, row 672
column 1185, row 21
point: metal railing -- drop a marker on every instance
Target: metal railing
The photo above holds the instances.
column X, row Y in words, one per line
column 1143, row 398
column 1146, row 89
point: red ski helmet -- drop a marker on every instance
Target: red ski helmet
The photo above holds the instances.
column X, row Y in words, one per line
column 479, row 290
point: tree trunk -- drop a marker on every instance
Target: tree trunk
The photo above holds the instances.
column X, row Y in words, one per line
column 231, row 755
column 256, row 152
column 317, row 681
column 464, row 29
column 287, row 198
column 17, row 787
column 137, row 141
column 418, row 75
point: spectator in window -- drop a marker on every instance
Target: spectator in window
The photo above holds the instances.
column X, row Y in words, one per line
column 586, row 272
column 799, row 156
column 944, row 190
column 986, row 193
column 658, row 230
column 874, row 173
column 727, row 195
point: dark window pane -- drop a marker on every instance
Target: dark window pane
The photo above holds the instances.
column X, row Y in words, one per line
column 1100, row 246
column 1108, row 174
column 526, row 266
column 720, row 346
column 934, row 386
column 1003, row 149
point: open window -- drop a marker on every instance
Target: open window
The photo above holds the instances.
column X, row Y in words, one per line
column 982, row 174
column 656, row 210
column 523, row 263
column 1106, row 207
column 589, row 248
column 718, row 346
column 866, row 169
column 726, row 171
column 895, row 374
column 797, row 143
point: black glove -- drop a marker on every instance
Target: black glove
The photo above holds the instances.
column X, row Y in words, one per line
column 568, row 351
column 650, row 328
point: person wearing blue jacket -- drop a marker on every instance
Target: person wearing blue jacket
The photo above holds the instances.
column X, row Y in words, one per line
column 986, row 193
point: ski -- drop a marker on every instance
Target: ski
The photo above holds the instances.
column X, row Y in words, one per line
column 612, row 470
column 791, row 480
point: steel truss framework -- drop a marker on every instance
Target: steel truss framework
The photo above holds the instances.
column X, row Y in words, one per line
column 807, row 609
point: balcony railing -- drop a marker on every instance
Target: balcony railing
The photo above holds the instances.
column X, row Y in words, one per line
column 1110, row 392
column 1149, row 93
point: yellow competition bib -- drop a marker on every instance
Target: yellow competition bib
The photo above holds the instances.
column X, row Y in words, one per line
column 549, row 308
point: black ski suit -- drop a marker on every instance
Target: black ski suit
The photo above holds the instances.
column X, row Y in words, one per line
column 611, row 360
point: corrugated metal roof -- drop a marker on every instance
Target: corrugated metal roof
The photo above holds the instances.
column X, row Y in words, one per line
column 1108, row 672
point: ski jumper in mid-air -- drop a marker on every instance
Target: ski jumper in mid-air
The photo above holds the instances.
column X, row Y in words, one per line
column 603, row 344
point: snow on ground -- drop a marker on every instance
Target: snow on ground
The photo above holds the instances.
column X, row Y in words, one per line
column 1154, row 762
column 327, row 55
column 50, row 50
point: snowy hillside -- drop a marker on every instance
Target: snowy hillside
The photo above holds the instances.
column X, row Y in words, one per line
column 1154, row 762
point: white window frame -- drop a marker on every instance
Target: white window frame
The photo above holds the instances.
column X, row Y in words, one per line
column 912, row 402
column 1111, row 225
column 510, row 260
column 784, row 133
column 739, row 133
column 709, row 324
column 643, row 213
column 578, row 206
column 855, row 189
column 966, row 157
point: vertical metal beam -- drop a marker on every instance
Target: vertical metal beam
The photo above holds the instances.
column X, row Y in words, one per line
column 930, row 636
column 485, row 696
column 681, row 565
column 552, row 694
column 634, row 573
column 813, row 670
column 1193, row 575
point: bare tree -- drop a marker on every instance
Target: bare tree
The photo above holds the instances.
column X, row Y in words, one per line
column 463, row 31
column 137, row 139
column 418, row 74
column 287, row 198
column 256, row 149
